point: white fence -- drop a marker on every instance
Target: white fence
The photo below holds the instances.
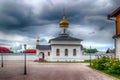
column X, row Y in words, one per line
column 19, row 56
column 9, row 56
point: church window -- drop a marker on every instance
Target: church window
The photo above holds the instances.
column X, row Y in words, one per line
column 66, row 52
column 48, row 53
column 74, row 52
column 57, row 52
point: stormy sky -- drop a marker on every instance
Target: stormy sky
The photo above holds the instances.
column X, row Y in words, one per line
column 21, row 21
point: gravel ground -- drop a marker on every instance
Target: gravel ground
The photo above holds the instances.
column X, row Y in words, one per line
column 13, row 70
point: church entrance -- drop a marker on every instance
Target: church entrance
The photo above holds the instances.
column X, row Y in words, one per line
column 43, row 55
column 42, row 59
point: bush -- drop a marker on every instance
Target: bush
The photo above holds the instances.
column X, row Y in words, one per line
column 100, row 63
column 107, row 64
column 115, row 67
column 86, row 60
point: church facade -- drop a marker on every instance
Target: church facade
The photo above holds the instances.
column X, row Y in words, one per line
column 61, row 48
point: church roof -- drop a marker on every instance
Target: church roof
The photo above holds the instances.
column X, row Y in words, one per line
column 66, row 38
column 43, row 47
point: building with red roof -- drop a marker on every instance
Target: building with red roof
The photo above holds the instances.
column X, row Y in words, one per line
column 30, row 51
column 4, row 50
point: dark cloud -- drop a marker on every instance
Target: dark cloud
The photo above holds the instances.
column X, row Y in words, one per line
column 21, row 18
column 15, row 15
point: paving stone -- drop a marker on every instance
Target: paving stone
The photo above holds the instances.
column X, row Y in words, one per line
column 13, row 70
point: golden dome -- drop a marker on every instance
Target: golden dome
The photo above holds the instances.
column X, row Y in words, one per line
column 64, row 22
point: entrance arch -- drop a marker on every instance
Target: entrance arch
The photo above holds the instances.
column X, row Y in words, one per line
column 42, row 58
column 43, row 55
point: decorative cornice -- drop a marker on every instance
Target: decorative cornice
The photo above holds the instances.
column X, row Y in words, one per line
column 65, row 44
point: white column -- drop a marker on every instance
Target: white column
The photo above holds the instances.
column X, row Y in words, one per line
column 117, row 47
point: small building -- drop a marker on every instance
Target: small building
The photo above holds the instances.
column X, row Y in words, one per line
column 4, row 50
column 62, row 48
column 110, row 51
column 116, row 14
column 30, row 51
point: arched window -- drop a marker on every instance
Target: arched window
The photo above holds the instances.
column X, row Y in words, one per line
column 66, row 52
column 57, row 52
column 74, row 52
column 48, row 53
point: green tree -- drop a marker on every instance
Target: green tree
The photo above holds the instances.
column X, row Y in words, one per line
column 90, row 50
column 10, row 51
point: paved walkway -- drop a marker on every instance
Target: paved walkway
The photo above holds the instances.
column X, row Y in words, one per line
column 13, row 70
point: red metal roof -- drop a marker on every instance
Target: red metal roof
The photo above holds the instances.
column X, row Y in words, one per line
column 4, row 50
column 32, row 51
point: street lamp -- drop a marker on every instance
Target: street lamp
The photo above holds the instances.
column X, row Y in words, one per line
column 25, row 68
column 90, row 56
column 90, row 48
column 2, row 59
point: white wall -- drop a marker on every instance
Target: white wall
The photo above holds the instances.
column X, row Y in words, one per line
column 18, row 57
column 118, row 47
column 62, row 56
column 39, row 55
column 34, row 57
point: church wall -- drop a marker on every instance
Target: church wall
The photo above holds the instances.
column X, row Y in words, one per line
column 45, row 53
column 70, row 56
column 62, row 56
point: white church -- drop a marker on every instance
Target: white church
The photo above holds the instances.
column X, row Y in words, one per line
column 61, row 48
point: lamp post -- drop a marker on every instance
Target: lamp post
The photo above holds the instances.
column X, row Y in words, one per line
column 90, row 56
column 2, row 59
column 25, row 68
column 90, row 48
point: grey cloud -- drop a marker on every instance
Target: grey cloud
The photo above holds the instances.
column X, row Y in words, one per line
column 43, row 40
column 16, row 17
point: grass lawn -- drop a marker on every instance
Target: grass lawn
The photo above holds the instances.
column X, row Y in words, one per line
column 113, row 75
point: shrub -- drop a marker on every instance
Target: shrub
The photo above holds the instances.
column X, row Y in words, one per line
column 107, row 64
column 86, row 60
column 100, row 63
column 115, row 67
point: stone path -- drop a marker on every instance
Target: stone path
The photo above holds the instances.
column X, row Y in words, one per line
column 13, row 70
